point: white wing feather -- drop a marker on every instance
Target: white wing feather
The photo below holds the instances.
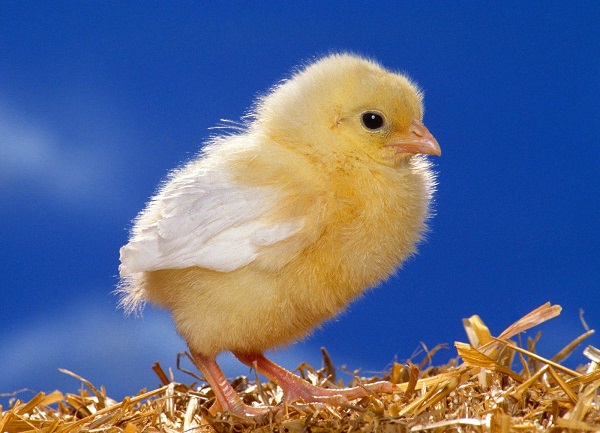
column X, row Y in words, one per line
column 203, row 218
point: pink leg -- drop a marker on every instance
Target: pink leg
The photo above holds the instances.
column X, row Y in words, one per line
column 295, row 388
column 227, row 398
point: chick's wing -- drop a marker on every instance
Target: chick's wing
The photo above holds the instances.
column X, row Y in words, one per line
column 204, row 218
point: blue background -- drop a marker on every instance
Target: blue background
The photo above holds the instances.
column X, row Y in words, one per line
column 99, row 100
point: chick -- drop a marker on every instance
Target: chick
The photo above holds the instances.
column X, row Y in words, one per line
column 276, row 227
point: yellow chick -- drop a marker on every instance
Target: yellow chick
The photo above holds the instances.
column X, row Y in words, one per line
column 276, row 227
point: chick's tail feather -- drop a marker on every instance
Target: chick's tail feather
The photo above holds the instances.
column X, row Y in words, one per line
column 132, row 296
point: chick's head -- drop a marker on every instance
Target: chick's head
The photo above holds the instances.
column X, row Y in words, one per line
column 344, row 106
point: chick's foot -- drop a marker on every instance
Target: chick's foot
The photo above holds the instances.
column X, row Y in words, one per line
column 297, row 389
column 227, row 398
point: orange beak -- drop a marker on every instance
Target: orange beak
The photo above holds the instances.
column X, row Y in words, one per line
column 418, row 140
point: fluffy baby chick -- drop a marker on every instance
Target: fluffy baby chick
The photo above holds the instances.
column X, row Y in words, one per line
column 275, row 228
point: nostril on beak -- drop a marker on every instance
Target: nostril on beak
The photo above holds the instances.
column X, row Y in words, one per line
column 416, row 128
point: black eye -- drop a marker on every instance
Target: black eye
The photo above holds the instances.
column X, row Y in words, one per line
column 372, row 120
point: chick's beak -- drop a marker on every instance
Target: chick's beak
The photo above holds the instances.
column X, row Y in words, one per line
column 417, row 140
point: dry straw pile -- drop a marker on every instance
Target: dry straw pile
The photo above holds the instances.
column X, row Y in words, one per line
column 500, row 386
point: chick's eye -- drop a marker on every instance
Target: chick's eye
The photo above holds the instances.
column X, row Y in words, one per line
column 372, row 120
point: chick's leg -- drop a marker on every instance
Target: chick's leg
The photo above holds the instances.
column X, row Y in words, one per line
column 227, row 398
column 296, row 389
